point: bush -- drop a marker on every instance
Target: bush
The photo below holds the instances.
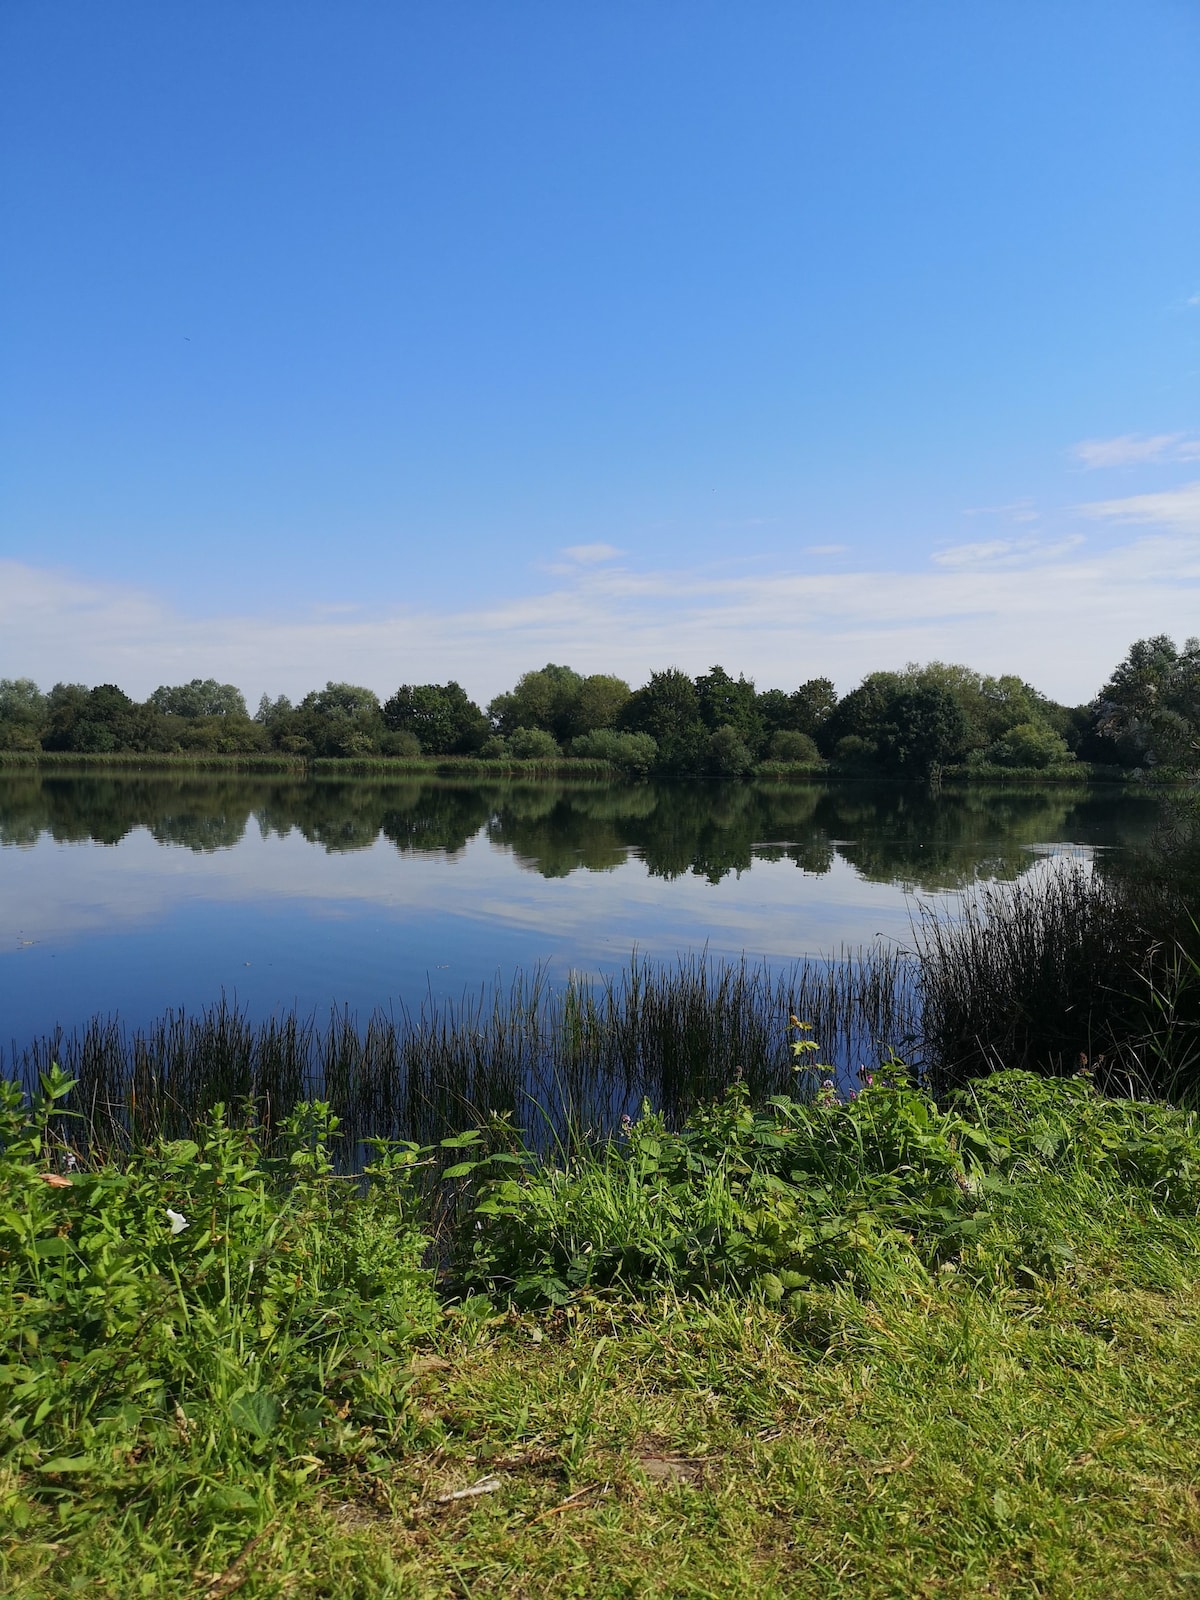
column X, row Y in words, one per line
column 1029, row 744
column 533, row 744
column 728, row 755
column 790, row 746
column 400, row 743
column 634, row 753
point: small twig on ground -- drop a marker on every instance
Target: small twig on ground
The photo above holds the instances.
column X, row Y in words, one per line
column 571, row 1500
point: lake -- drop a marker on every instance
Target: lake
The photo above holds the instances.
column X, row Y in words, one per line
column 134, row 894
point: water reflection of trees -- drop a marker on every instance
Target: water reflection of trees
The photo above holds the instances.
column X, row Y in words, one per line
column 886, row 832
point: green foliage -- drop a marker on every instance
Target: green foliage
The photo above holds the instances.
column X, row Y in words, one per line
column 202, row 697
column 23, row 713
column 804, row 710
column 797, row 1193
column 923, row 728
column 729, row 756
column 819, row 1314
column 532, row 744
column 97, row 721
column 440, row 717
column 635, row 754
column 202, row 1299
column 1150, row 707
column 668, row 709
column 726, row 704
column 1028, row 744
column 790, row 745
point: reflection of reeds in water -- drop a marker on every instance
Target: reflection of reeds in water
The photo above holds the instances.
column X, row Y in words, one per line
column 562, row 1060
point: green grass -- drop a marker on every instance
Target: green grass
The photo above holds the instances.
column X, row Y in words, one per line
column 872, row 1347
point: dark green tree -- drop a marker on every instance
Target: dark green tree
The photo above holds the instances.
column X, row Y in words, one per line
column 924, row 728
column 441, row 716
column 1150, row 708
column 342, row 719
column 804, row 710
column 725, row 703
column 668, row 709
column 546, row 699
column 98, row 721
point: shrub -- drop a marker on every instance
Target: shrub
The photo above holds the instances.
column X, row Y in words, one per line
column 728, row 755
column 791, row 746
column 533, row 744
column 634, row 753
column 1029, row 744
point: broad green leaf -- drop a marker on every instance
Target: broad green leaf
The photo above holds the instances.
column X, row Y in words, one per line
column 257, row 1412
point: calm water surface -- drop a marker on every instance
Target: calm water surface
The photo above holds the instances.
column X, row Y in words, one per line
column 132, row 894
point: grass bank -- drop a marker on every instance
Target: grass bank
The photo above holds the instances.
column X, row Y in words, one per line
column 869, row 1346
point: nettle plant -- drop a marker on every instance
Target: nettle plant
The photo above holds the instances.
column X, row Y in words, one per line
column 780, row 1196
column 199, row 1293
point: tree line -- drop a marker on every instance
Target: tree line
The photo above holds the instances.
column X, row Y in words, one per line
column 907, row 723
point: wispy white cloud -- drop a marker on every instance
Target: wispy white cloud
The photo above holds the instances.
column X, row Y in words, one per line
column 1022, row 511
column 1060, row 614
column 1177, row 509
column 589, row 555
column 1135, row 449
column 1006, row 552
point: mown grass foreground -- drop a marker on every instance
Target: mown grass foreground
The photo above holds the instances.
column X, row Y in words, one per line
column 872, row 1346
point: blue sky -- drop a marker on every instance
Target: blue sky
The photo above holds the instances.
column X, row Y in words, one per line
column 400, row 341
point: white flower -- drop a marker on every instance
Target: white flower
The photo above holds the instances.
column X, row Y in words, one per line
column 177, row 1220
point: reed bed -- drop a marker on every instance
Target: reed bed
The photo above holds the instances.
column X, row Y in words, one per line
column 66, row 762
column 565, row 1062
column 1063, row 969
column 462, row 766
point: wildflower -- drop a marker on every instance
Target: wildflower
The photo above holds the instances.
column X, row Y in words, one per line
column 177, row 1220
column 626, row 1126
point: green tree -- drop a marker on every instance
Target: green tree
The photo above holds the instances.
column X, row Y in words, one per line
column 533, row 744
column 23, row 713
column 1029, row 744
column 668, row 709
column 342, row 719
column 547, row 699
column 441, row 717
column 805, row 710
column 925, row 727
column 1150, row 708
column 861, row 714
column 97, row 721
column 602, row 698
column 725, row 703
column 202, row 697
column 634, row 753
column 788, row 744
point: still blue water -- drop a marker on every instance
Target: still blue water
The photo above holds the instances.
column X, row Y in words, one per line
column 131, row 895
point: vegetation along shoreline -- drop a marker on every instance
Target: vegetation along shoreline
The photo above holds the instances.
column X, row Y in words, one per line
column 938, row 720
